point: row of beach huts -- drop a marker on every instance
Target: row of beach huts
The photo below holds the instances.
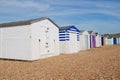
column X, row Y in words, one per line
column 41, row 38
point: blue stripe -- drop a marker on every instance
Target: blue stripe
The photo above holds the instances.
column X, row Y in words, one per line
column 67, row 39
column 62, row 40
column 62, row 37
column 67, row 34
column 61, row 34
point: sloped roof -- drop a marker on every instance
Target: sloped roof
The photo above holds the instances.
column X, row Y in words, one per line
column 81, row 31
column 64, row 27
column 67, row 27
column 90, row 32
column 26, row 22
column 96, row 33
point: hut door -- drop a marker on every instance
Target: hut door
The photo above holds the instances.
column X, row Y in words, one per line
column 102, row 41
column 93, row 41
column 115, row 40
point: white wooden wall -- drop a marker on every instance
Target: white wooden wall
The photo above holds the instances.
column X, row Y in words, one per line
column 98, row 41
column 110, row 41
column 84, row 41
column 16, row 43
column 28, row 42
column 119, row 40
column 0, row 42
column 63, row 47
column 73, row 43
column 49, row 41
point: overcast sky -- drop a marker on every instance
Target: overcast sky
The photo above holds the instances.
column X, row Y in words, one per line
column 102, row 16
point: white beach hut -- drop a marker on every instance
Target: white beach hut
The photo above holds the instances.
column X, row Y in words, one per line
column 109, row 41
column 84, row 40
column 69, row 39
column 98, row 40
column 29, row 40
column 119, row 40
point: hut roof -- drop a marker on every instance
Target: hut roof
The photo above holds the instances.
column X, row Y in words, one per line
column 90, row 32
column 25, row 22
column 67, row 28
column 81, row 31
column 64, row 27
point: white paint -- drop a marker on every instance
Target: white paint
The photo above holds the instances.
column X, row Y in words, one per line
column 105, row 40
column 16, row 42
column 71, row 46
column 109, row 41
column 84, row 41
column 98, row 40
column 0, row 42
column 28, row 42
column 73, row 43
column 119, row 40
column 49, row 39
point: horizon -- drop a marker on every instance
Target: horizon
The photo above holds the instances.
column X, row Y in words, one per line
column 100, row 16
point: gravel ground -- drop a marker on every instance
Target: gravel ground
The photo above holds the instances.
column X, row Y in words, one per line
column 101, row 63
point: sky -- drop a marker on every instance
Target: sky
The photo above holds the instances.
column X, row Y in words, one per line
column 102, row 16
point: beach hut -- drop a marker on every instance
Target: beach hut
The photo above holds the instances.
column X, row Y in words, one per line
column 105, row 40
column 119, row 40
column 84, row 40
column 69, row 39
column 110, row 41
column 98, row 40
column 92, row 39
column 102, row 40
column 114, row 40
column 29, row 40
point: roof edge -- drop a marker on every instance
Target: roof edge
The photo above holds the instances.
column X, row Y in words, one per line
column 26, row 22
